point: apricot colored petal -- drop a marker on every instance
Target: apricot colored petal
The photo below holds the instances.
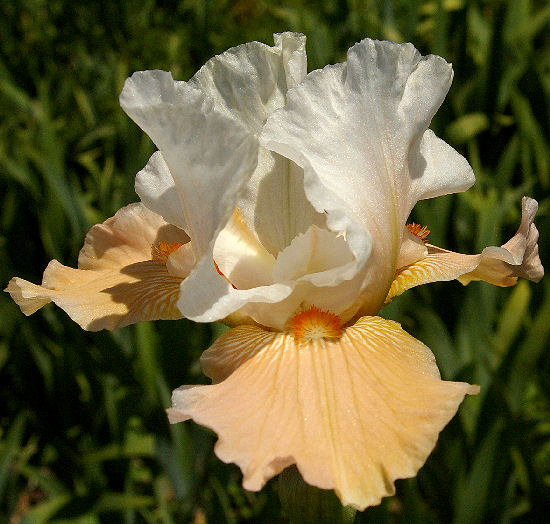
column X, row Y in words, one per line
column 354, row 414
column 103, row 299
column 519, row 257
column 126, row 238
column 117, row 283
column 439, row 265
column 501, row 266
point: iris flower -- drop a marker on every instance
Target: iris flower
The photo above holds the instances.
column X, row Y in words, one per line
column 278, row 202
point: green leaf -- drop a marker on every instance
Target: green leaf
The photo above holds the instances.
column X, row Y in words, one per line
column 467, row 127
column 473, row 491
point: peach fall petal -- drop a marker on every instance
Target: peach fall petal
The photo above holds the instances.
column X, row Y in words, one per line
column 501, row 266
column 371, row 401
column 118, row 281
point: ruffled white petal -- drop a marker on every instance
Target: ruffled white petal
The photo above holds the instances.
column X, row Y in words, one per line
column 240, row 87
column 209, row 154
column 352, row 128
column 250, row 81
column 354, row 413
column 155, row 186
column 206, row 296
column 317, row 256
column 316, row 268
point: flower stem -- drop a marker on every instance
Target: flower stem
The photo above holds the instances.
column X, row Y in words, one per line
column 306, row 504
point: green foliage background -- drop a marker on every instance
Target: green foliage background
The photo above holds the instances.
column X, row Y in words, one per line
column 84, row 437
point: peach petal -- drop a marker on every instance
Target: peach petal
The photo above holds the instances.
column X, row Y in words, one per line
column 519, row 257
column 126, row 238
column 103, row 299
column 117, row 283
column 354, row 414
column 501, row 266
column 438, row 265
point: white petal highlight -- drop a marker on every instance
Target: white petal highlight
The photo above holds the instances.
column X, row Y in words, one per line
column 240, row 257
column 318, row 256
column 371, row 401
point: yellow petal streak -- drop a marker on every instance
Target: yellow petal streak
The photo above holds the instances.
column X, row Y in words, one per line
column 315, row 323
column 354, row 413
column 436, row 267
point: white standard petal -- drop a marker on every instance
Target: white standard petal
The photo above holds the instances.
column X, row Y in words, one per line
column 209, row 154
column 249, row 82
column 351, row 127
column 274, row 203
column 155, row 186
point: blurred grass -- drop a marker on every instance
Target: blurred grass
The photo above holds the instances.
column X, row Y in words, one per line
column 83, row 436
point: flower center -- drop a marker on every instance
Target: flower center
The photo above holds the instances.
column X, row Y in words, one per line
column 419, row 231
column 315, row 323
column 162, row 250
